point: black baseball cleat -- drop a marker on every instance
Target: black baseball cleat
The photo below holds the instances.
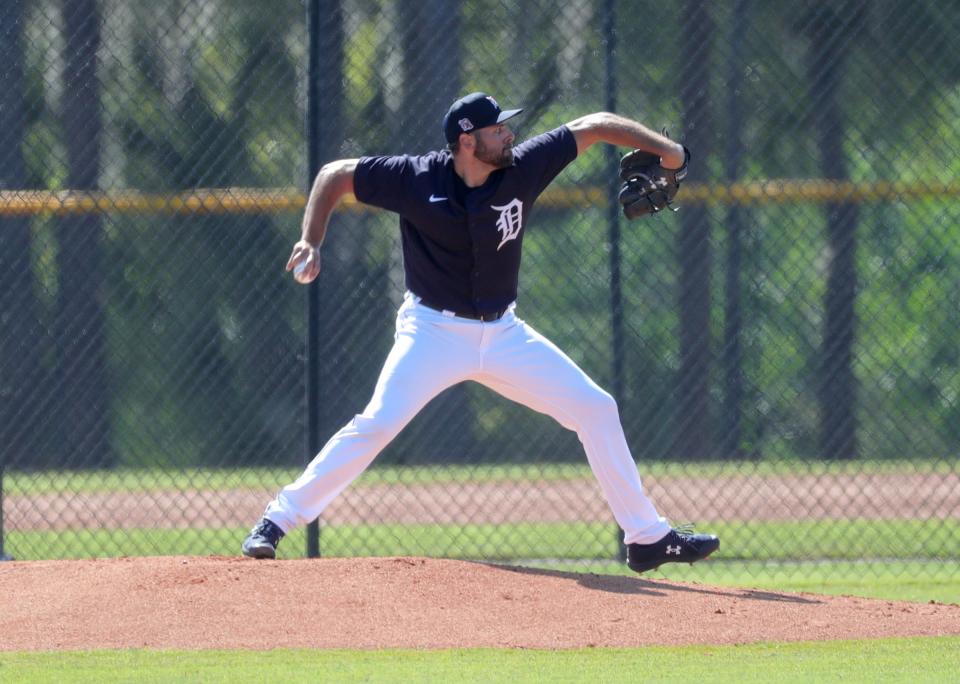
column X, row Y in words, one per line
column 262, row 540
column 678, row 546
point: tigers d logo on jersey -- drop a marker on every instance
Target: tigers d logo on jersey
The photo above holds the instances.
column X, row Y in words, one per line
column 510, row 222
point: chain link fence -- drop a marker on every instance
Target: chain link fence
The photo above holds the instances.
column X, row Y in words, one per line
column 783, row 348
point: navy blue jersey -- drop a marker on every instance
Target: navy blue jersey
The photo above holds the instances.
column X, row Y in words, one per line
column 461, row 246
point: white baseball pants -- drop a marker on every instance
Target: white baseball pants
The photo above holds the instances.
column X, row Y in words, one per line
column 433, row 351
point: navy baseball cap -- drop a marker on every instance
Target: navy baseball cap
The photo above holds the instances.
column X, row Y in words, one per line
column 476, row 110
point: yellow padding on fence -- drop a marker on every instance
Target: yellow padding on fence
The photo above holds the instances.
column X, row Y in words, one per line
column 276, row 200
column 225, row 201
column 818, row 190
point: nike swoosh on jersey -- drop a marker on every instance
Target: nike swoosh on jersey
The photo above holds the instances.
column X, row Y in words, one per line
column 435, row 199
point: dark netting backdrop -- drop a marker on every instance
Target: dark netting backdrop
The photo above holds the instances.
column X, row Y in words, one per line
column 783, row 349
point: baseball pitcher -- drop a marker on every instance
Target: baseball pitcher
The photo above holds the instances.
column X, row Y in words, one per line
column 463, row 212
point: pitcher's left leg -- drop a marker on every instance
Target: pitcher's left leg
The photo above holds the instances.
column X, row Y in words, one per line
column 524, row 366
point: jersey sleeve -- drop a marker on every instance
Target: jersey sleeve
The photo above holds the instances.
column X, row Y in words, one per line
column 543, row 157
column 382, row 181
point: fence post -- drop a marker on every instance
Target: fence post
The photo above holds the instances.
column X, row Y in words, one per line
column 312, row 437
column 613, row 221
column 323, row 135
column 3, row 555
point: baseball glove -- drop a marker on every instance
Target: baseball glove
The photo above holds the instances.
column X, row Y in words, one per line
column 647, row 186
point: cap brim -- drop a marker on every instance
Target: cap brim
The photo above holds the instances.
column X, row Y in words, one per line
column 508, row 114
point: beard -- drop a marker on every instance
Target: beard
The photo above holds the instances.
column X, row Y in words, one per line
column 498, row 160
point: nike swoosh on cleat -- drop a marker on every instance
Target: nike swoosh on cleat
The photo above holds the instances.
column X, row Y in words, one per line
column 434, row 199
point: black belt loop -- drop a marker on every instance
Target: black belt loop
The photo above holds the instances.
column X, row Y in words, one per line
column 495, row 316
column 485, row 317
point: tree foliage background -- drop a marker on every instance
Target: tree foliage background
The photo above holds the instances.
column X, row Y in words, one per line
column 782, row 327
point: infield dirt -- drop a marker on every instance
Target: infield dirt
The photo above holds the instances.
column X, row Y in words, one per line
column 217, row 602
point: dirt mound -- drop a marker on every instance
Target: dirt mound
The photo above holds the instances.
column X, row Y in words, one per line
column 178, row 602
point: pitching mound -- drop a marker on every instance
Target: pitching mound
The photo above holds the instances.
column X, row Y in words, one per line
column 194, row 603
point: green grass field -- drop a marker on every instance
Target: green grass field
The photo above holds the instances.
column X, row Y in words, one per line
column 887, row 660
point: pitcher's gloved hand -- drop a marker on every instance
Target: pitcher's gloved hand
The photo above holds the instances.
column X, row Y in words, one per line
column 647, row 186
